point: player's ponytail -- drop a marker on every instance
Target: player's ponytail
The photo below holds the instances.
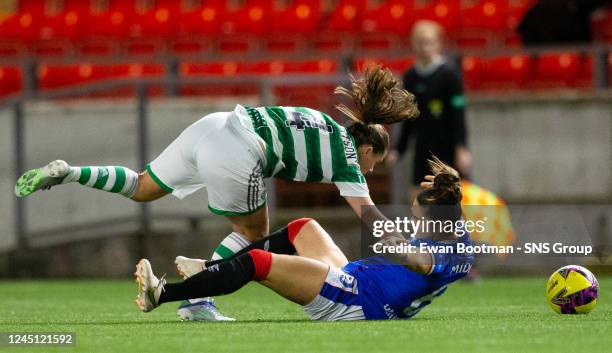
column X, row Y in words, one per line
column 377, row 98
column 445, row 192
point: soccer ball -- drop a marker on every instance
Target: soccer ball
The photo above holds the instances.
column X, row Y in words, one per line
column 572, row 290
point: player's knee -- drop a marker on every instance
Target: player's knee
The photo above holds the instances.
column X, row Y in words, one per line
column 295, row 227
column 140, row 198
column 262, row 263
column 145, row 191
column 251, row 233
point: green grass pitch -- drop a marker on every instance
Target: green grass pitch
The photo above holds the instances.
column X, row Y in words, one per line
column 496, row 315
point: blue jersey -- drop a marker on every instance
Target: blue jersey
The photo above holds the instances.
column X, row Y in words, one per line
column 387, row 290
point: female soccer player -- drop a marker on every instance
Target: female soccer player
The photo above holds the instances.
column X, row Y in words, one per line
column 322, row 280
column 441, row 128
column 230, row 153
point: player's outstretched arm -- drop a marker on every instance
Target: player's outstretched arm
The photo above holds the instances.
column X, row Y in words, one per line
column 419, row 262
column 358, row 203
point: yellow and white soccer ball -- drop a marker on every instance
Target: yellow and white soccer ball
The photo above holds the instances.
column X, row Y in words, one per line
column 572, row 290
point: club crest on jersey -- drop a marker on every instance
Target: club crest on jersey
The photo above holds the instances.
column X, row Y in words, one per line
column 344, row 282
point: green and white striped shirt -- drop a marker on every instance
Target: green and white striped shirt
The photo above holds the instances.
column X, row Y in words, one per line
column 304, row 144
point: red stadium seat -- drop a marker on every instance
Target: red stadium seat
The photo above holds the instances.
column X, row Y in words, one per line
column 302, row 16
column 555, row 70
column 393, row 16
column 195, row 25
column 111, row 23
column 216, row 69
column 473, row 71
column 237, row 43
column 156, row 22
column 67, row 23
column 205, row 19
column 58, row 76
column 444, row 12
column 56, row 30
column 346, row 16
column 238, row 29
column 384, row 26
column 496, row 74
column 319, row 97
column 320, row 66
column 284, row 43
column 35, row 7
column 22, row 26
column 11, row 81
column 516, row 11
column 274, row 67
column 585, row 75
column 481, row 24
column 312, row 95
column 254, row 17
column 106, row 28
column 485, row 14
column 264, row 68
column 150, row 27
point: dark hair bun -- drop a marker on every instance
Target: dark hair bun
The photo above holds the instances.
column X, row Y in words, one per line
column 447, row 189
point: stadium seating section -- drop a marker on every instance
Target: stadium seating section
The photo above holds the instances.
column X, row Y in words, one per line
column 83, row 34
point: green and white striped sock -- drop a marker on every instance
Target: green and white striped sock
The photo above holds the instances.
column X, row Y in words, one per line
column 227, row 248
column 230, row 246
column 113, row 179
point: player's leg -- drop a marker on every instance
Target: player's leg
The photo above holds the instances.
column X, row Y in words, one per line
column 148, row 189
column 230, row 163
column 246, row 228
column 312, row 241
column 114, row 179
column 304, row 233
column 296, row 278
column 173, row 171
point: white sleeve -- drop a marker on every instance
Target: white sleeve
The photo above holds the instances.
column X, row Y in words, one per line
column 353, row 189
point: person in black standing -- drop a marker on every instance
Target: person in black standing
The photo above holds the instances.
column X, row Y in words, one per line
column 441, row 128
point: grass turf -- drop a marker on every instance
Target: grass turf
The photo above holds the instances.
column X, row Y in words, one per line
column 496, row 315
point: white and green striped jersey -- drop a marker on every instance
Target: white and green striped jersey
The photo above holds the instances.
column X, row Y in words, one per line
column 304, row 144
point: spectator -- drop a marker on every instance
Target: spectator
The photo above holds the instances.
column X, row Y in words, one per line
column 441, row 128
column 559, row 21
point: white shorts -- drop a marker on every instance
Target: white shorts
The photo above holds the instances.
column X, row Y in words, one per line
column 337, row 300
column 218, row 153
